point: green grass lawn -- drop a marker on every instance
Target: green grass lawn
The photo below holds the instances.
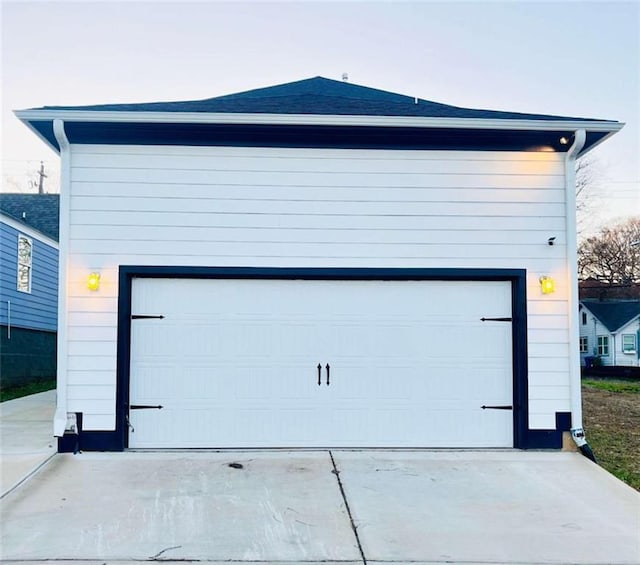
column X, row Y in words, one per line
column 613, row 386
column 11, row 393
column 612, row 423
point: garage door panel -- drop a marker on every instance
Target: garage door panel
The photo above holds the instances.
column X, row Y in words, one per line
column 234, row 363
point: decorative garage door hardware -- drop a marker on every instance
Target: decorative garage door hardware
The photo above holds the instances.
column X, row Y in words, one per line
column 320, row 374
column 495, row 319
column 145, row 317
column 496, row 407
column 144, row 407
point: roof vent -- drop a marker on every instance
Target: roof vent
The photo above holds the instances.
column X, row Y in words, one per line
column 345, row 77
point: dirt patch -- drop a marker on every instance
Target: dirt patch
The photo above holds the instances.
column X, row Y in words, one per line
column 612, row 425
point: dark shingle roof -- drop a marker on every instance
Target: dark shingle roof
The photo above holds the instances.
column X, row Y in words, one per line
column 317, row 95
column 612, row 314
column 38, row 211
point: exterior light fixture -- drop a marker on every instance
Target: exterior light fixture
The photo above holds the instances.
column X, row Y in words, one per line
column 564, row 140
column 93, row 281
column 547, row 285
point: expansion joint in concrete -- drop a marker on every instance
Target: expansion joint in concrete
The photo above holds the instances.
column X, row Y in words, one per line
column 336, row 472
column 27, row 476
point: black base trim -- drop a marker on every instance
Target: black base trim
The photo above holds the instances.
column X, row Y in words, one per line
column 549, row 439
column 89, row 441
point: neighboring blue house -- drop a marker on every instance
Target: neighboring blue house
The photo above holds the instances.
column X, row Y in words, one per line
column 28, row 286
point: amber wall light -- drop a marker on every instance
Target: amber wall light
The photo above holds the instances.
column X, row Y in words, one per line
column 547, row 285
column 93, row 281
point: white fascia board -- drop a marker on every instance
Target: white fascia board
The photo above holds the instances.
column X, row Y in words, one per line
column 28, row 230
column 314, row 119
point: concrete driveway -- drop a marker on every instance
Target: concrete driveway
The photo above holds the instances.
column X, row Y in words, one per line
column 26, row 437
column 321, row 507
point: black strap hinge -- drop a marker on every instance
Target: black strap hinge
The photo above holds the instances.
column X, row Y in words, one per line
column 145, row 317
column 144, row 407
column 496, row 320
column 496, row 407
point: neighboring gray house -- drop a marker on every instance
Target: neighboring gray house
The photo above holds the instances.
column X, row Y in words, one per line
column 28, row 286
column 316, row 264
column 610, row 330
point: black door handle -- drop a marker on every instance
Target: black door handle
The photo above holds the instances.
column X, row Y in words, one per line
column 319, row 374
column 328, row 369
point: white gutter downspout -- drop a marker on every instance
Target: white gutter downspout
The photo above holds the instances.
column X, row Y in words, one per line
column 577, row 431
column 60, row 416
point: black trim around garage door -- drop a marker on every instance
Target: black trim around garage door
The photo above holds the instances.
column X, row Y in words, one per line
column 523, row 437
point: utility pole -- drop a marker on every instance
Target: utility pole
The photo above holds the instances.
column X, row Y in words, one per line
column 42, row 177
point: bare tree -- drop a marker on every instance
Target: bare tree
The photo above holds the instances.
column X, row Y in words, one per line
column 588, row 183
column 611, row 256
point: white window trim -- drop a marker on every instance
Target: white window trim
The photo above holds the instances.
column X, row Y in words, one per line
column 584, row 344
column 635, row 345
column 24, row 264
column 601, row 347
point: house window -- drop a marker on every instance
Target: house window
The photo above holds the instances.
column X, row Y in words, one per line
column 628, row 343
column 584, row 318
column 25, row 255
column 603, row 345
column 584, row 344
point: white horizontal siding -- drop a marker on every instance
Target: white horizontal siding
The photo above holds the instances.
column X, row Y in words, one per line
column 232, row 179
column 85, row 220
column 326, row 160
column 548, row 378
column 256, row 247
column 302, row 235
column 270, row 207
column 288, row 193
column 97, row 377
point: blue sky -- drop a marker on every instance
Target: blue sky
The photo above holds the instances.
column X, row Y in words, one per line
column 567, row 58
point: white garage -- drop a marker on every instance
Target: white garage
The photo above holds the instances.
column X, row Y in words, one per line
column 219, row 258
column 320, row 363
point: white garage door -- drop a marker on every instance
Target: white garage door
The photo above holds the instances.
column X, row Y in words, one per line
column 234, row 363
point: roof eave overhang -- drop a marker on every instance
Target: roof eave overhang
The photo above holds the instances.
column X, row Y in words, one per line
column 29, row 116
column 20, row 226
